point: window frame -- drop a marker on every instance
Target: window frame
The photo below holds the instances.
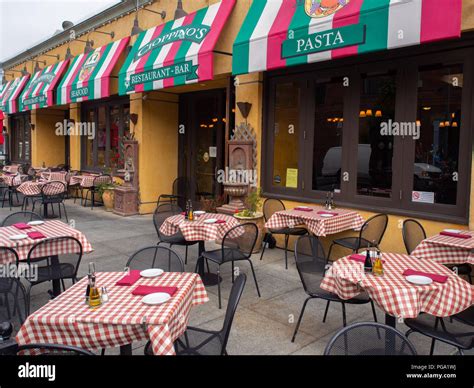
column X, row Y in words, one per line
column 94, row 106
column 25, row 119
column 407, row 65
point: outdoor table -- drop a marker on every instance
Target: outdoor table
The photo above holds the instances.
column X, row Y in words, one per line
column 67, row 320
column 199, row 231
column 31, row 188
column 447, row 250
column 13, row 169
column 54, row 176
column 314, row 222
column 83, row 180
column 51, row 229
column 11, row 179
column 394, row 294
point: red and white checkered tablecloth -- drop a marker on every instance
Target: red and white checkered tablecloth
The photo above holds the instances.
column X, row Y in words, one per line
column 122, row 320
column 198, row 230
column 54, row 176
column 82, row 180
column 394, row 294
column 34, row 188
column 11, row 179
column 13, row 169
column 51, row 229
column 446, row 249
column 319, row 226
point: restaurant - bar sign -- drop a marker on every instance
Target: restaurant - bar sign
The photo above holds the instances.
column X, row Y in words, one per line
column 304, row 44
column 282, row 33
column 179, row 52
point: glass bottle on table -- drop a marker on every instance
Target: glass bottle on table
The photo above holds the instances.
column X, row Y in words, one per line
column 191, row 212
column 94, row 294
column 89, row 281
column 186, row 214
column 368, row 260
column 378, row 264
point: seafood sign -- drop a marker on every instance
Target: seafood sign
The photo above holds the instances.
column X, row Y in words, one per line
column 323, row 8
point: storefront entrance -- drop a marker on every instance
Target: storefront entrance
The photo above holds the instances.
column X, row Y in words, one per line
column 202, row 142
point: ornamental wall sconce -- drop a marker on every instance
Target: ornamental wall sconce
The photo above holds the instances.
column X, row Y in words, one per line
column 134, row 118
column 244, row 108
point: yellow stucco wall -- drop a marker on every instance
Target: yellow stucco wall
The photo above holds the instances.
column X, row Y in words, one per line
column 75, row 141
column 46, row 146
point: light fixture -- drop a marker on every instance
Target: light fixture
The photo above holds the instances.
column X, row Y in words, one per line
column 244, row 108
column 215, row 120
column 134, row 118
column 369, row 113
column 161, row 13
column 378, row 113
column 111, row 34
column 136, row 28
column 52, row 56
column 418, row 123
column 455, row 124
column 68, row 54
column 37, row 68
column 362, row 113
column 446, row 123
column 180, row 12
column 427, row 108
column 441, row 124
column 88, row 48
column 453, row 115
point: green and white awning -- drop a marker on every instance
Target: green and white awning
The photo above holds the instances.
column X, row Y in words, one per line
column 10, row 93
column 39, row 91
column 88, row 76
column 281, row 33
column 178, row 52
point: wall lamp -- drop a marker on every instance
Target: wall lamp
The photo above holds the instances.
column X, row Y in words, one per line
column 111, row 34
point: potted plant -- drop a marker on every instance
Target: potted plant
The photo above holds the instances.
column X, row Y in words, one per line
column 254, row 215
column 107, row 193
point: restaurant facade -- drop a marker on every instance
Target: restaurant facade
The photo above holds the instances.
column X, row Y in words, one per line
column 371, row 100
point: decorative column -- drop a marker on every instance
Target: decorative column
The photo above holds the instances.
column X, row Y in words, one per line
column 126, row 196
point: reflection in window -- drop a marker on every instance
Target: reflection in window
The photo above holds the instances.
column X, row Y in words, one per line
column 286, row 133
column 20, row 138
column 328, row 125
column 375, row 150
column 437, row 149
column 89, row 143
column 101, row 137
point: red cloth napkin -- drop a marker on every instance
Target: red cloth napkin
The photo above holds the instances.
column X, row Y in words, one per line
column 183, row 213
column 145, row 290
column 221, row 221
column 21, row 225
column 36, row 235
column 303, row 209
column 325, row 212
column 435, row 277
column 360, row 258
column 129, row 280
column 457, row 235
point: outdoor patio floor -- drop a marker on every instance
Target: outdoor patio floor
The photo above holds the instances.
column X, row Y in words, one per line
column 262, row 326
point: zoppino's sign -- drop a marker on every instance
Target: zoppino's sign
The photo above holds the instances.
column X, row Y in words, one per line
column 193, row 33
column 302, row 43
column 46, row 78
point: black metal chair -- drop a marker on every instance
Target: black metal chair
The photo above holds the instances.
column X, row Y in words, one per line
column 54, row 267
column 457, row 332
column 413, row 234
column 93, row 190
column 270, row 207
column 10, row 191
column 53, row 350
column 180, row 191
column 53, row 193
column 197, row 341
column 370, row 234
column 237, row 245
column 156, row 257
column 369, row 339
column 13, row 295
column 21, row 217
column 162, row 212
column 311, row 264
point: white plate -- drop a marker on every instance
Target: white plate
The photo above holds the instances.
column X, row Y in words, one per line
column 151, row 273
column 18, row 237
column 210, row 221
column 327, row 215
column 199, row 212
column 304, row 207
column 33, row 223
column 452, row 230
column 156, row 298
column 419, row 280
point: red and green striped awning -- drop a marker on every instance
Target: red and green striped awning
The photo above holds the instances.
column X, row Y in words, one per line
column 280, row 33
column 10, row 94
column 178, row 52
column 39, row 91
column 88, row 76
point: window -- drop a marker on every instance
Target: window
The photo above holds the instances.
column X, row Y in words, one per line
column 111, row 121
column 391, row 135
column 20, row 145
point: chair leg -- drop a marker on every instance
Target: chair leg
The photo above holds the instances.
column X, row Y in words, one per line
column 264, row 246
column 287, row 238
column 300, row 318
column 185, row 255
column 326, row 311
column 65, row 212
column 254, row 277
column 233, row 269
column 92, row 199
column 329, row 253
column 344, row 321
column 373, row 310
column 219, row 286
column 433, row 341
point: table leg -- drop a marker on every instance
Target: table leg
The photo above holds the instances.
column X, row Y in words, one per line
column 208, row 278
column 390, row 339
column 390, row 320
column 126, row 350
column 45, row 210
column 56, row 282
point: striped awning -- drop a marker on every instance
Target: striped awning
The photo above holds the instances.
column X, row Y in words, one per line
column 10, row 93
column 39, row 91
column 280, row 33
column 88, row 76
column 178, row 52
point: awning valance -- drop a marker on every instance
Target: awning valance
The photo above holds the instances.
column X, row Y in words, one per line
column 10, row 94
column 280, row 33
column 175, row 53
column 39, row 91
column 88, row 76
